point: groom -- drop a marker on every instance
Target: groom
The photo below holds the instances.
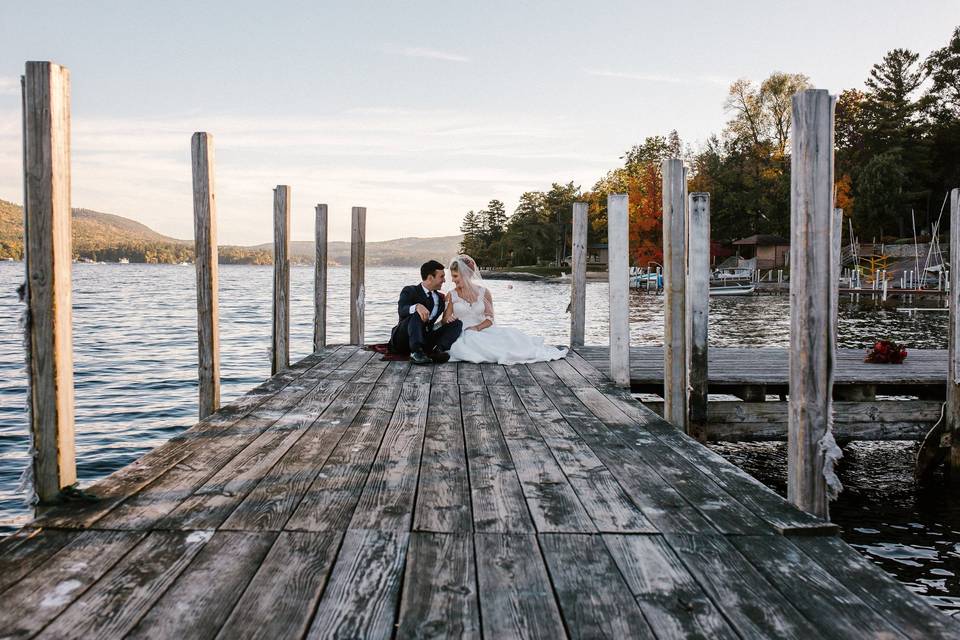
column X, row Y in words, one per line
column 421, row 307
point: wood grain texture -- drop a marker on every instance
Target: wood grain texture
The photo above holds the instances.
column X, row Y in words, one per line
column 281, row 597
column 329, row 503
column 140, row 473
column 364, row 588
column 881, row 420
column 594, row 599
column 605, row 500
column 320, row 279
column 114, row 605
column 358, row 235
column 697, row 311
column 674, row 292
column 671, row 600
column 48, row 255
column 516, row 597
column 48, row 589
column 618, row 239
column 754, row 607
column 271, row 503
column 23, row 551
column 912, row 614
column 496, row 494
column 443, row 493
column 280, row 349
column 769, row 366
column 812, row 341
column 553, row 503
column 835, row 610
column 205, row 253
column 440, row 588
column 202, row 597
column 578, row 274
column 387, row 500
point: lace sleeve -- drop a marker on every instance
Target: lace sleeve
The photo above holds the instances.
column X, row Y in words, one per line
column 487, row 305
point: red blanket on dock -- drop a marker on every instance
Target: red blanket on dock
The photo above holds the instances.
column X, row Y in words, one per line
column 384, row 350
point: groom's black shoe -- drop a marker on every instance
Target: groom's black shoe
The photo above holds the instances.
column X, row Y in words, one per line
column 419, row 357
column 440, row 356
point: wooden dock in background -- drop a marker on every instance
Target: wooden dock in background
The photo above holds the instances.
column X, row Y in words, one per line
column 351, row 497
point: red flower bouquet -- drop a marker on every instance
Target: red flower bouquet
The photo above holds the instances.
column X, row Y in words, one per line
column 886, row 352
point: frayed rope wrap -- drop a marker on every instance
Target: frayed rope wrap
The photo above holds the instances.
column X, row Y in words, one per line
column 26, row 486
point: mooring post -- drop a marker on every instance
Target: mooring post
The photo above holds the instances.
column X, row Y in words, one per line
column 357, row 260
column 320, row 280
column 674, row 303
column 698, row 310
column 952, row 412
column 618, row 269
column 47, row 244
column 280, row 352
column 205, row 254
column 810, row 444
column 578, row 276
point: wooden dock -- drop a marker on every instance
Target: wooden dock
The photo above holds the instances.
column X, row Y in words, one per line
column 347, row 497
column 753, row 373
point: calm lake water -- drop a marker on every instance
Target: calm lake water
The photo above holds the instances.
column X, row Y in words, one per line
column 135, row 377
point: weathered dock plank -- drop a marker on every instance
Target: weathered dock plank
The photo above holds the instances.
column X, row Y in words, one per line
column 352, row 497
column 769, row 366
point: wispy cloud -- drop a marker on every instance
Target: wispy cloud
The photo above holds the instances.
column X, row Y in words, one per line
column 9, row 86
column 413, row 168
column 424, row 52
column 656, row 77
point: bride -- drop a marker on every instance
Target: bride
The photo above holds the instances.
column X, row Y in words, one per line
column 482, row 340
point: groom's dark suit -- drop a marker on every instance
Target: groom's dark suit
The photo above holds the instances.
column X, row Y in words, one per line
column 412, row 334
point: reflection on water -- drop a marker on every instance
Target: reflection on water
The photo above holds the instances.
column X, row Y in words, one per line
column 135, row 374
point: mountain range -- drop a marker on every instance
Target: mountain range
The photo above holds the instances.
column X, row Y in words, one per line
column 107, row 237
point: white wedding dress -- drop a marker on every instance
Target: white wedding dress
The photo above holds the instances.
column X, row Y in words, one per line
column 501, row 345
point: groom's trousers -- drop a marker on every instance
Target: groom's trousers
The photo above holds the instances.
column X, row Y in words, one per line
column 412, row 335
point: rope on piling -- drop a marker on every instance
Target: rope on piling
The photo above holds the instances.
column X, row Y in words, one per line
column 26, row 486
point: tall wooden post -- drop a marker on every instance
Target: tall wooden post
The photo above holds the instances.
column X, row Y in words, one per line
column 320, row 281
column 674, row 303
column 698, row 310
column 578, row 275
column 952, row 412
column 811, row 287
column 205, row 252
column 280, row 352
column 47, row 224
column 618, row 268
column 357, row 260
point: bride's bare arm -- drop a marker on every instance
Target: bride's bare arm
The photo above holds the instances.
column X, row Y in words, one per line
column 447, row 309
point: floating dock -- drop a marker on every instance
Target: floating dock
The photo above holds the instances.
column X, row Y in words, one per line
column 348, row 497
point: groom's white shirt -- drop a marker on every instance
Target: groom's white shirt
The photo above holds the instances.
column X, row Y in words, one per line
column 436, row 304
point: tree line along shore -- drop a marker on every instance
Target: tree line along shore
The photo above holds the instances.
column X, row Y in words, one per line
column 896, row 142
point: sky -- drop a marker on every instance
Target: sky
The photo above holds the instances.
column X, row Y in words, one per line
column 418, row 111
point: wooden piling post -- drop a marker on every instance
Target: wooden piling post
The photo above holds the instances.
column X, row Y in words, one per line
column 674, row 303
column 320, row 280
column 280, row 351
column 47, row 244
column 811, row 335
column 952, row 412
column 578, row 275
column 618, row 269
column 698, row 310
column 205, row 254
column 357, row 260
